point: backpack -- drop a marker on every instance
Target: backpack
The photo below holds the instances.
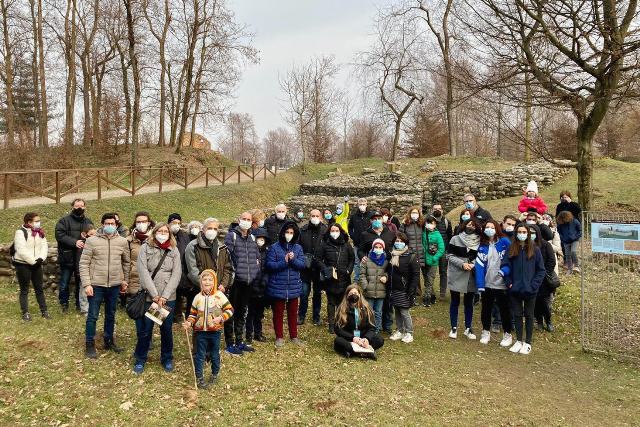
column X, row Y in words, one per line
column 12, row 248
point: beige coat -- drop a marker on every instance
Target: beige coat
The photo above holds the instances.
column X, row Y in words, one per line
column 105, row 260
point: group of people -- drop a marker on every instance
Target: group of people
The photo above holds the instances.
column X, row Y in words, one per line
column 372, row 266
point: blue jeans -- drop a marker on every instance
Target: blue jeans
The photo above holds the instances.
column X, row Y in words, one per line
column 356, row 265
column 144, row 332
column 110, row 298
column 207, row 343
column 63, row 286
column 316, row 301
column 376, row 306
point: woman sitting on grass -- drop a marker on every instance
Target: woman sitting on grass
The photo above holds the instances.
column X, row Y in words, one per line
column 355, row 332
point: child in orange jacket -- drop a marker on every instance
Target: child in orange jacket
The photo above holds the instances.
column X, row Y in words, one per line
column 209, row 311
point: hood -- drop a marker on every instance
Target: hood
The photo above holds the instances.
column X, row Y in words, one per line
column 296, row 232
column 344, row 237
column 214, row 289
column 262, row 232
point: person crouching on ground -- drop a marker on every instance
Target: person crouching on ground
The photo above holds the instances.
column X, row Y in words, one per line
column 353, row 325
column 209, row 310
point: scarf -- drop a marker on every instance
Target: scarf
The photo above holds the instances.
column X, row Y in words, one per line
column 140, row 236
column 166, row 245
column 395, row 256
column 377, row 259
column 471, row 241
column 34, row 232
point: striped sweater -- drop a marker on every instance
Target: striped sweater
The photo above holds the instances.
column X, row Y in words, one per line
column 206, row 307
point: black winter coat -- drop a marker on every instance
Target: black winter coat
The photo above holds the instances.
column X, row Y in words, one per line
column 368, row 236
column 367, row 330
column 482, row 215
column 273, row 226
column 549, row 258
column 338, row 254
column 404, row 280
column 311, row 240
column 182, row 240
column 358, row 223
column 68, row 231
column 259, row 284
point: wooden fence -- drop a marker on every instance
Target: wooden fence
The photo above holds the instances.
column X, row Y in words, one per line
column 56, row 183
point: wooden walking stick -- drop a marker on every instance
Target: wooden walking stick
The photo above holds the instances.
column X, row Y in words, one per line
column 193, row 365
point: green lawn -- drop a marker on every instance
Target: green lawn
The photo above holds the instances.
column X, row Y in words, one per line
column 434, row 381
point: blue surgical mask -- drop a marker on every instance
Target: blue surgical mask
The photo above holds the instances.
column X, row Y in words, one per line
column 533, row 237
column 468, row 205
column 301, row 215
column 378, row 251
column 522, row 237
column 377, row 223
column 338, row 211
column 109, row 229
column 466, row 217
column 399, row 245
column 489, row 232
column 328, row 216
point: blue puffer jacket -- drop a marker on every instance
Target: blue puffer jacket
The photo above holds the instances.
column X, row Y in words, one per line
column 245, row 255
column 523, row 276
column 284, row 279
column 502, row 247
column 571, row 232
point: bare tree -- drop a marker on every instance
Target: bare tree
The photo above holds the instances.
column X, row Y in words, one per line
column 8, row 72
column 135, row 122
column 277, row 146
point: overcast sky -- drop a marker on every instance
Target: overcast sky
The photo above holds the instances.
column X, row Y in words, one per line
column 291, row 32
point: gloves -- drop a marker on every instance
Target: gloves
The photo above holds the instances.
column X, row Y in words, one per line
column 346, row 198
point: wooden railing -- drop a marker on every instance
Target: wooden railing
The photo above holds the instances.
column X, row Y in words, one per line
column 54, row 184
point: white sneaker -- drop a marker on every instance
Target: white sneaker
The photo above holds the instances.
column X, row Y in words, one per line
column 469, row 334
column 485, row 336
column 408, row 338
column 397, row 335
column 526, row 348
column 516, row 347
column 453, row 334
column 507, row 340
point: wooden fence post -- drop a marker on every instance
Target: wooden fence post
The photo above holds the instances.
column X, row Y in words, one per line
column 99, row 185
column 253, row 172
column 265, row 171
column 7, row 190
column 133, row 182
column 206, row 177
column 160, row 180
column 238, row 174
column 186, row 179
column 224, row 175
column 57, row 187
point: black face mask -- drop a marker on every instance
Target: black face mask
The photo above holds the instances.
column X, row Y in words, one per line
column 78, row 211
column 437, row 214
column 353, row 298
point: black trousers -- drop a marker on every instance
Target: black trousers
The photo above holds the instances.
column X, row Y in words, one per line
column 501, row 299
column 27, row 274
column 342, row 346
column 239, row 298
column 542, row 310
column 523, row 307
column 255, row 314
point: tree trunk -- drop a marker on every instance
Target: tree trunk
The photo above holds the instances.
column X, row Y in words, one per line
column 8, row 65
column 527, row 118
column 37, row 140
column 135, row 124
column 87, row 137
column 70, row 52
column 43, row 122
column 127, row 97
column 396, row 139
column 453, row 144
column 303, row 145
column 585, row 169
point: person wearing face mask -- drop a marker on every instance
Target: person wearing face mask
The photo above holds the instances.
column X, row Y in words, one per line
column 509, row 225
column 285, row 261
column 373, row 279
column 311, row 238
column 299, row 216
column 257, row 219
column 433, row 250
column 551, row 235
column 462, row 252
column 358, row 223
column 532, row 200
column 523, row 271
column 160, row 269
column 67, row 233
column 530, row 217
column 544, row 297
column 257, row 300
column 465, row 216
column 194, row 228
column 122, row 229
column 342, row 215
column 477, row 212
column 245, row 257
column 140, row 230
column 335, row 262
column 206, row 251
column 274, row 223
column 104, row 274
column 567, row 204
column 353, row 325
column 387, row 219
column 404, row 276
column 443, row 225
column 329, row 218
column 182, row 240
column 31, row 248
column 413, row 226
column 490, row 283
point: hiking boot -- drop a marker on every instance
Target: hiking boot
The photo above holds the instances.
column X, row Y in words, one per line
column 433, row 299
column 213, row 379
column 202, row 384
column 261, row 338
column 90, row 350
column 112, row 346
column 26, row 317
column 550, row 327
column 46, row 315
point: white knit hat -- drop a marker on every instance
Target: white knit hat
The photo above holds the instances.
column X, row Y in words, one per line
column 532, row 186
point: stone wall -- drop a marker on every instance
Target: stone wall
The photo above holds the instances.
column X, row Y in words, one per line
column 8, row 272
column 449, row 187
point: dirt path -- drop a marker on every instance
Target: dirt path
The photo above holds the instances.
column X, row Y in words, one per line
column 111, row 194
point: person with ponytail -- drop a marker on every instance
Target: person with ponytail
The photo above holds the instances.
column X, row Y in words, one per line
column 523, row 271
column 354, row 325
column 160, row 269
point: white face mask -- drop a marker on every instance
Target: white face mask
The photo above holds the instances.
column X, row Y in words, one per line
column 385, row 219
column 174, row 228
column 415, row 216
column 334, row 235
column 508, row 228
column 531, row 222
column 431, row 227
column 162, row 238
column 315, row 221
column 211, row 234
column 362, row 208
column 245, row 224
column 36, row 225
column 280, row 215
column 260, row 242
column 546, row 222
column 195, row 231
column 288, row 237
column 142, row 227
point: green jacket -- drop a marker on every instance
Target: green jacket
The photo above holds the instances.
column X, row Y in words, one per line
column 432, row 238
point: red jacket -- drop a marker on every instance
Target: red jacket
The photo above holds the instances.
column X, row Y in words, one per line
column 537, row 203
